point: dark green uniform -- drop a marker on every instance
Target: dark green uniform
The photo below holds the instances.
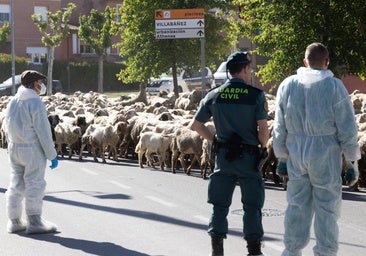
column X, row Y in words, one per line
column 235, row 107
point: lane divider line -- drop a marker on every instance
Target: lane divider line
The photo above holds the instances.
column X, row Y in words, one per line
column 119, row 184
column 202, row 218
column 89, row 171
column 160, row 201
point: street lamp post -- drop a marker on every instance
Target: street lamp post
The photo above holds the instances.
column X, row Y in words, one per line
column 12, row 47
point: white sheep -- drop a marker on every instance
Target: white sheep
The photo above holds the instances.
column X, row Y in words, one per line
column 186, row 142
column 102, row 137
column 206, row 161
column 152, row 142
column 68, row 134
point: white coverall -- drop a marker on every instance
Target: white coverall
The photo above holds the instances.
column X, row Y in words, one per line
column 30, row 144
column 314, row 124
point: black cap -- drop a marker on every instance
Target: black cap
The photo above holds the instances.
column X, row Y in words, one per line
column 238, row 58
column 30, row 76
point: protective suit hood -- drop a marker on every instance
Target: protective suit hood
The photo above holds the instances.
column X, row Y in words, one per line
column 25, row 93
column 308, row 76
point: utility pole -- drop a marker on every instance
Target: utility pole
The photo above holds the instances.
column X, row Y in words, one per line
column 12, row 47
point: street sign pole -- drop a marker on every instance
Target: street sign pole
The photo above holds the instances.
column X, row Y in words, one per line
column 12, row 48
column 203, row 66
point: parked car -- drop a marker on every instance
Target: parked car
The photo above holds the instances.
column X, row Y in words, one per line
column 5, row 87
column 194, row 81
column 220, row 76
column 165, row 84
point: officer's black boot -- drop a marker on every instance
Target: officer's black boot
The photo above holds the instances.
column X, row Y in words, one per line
column 217, row 244
column 254, row 246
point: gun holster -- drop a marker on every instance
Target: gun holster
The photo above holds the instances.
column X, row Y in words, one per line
column 214, row 148
column 234, row 147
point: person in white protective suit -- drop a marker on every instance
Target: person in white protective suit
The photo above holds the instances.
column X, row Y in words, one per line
column 314, row 125
column 30, row 144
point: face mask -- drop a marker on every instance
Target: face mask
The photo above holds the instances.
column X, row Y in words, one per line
column 43, row 89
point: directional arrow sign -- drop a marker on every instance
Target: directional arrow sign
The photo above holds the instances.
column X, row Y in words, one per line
column 179, row 33
column 179, row 23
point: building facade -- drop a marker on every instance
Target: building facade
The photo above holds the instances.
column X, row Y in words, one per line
column 27, row 38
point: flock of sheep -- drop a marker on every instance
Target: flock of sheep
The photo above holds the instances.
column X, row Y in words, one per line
column 155, row 130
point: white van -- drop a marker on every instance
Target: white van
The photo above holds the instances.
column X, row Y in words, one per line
column 220, row 76
column 166, row 84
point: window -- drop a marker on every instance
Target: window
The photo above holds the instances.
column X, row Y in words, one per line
column 4, row 13
column 86, row 48
column 37, row 55
column 118, row 9
column 42, row 10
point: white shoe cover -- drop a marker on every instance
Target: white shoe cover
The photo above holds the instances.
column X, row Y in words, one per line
column 37, row 225
column 15, row 225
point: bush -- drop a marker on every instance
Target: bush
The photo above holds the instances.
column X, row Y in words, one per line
column 69, row 73
column 74, row 76
column 6, row 65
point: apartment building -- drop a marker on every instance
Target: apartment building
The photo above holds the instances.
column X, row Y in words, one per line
column 27, row 38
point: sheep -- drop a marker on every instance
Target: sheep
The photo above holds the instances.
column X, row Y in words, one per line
column 186, row 142
column 206, row 161
column 134, row 128
column 3, row 141
column 100, row 137
column 271, row 164
column 68, row 134
column 152, row 142
column 362, row 161
column 121, row 130
column 53, row 119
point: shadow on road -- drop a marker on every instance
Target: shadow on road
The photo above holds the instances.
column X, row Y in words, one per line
column 354, row 196
column 90, row 247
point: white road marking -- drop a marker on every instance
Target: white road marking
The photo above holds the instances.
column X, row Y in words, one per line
column 202, row 218
column 89, row 171
column 273, row 246
column 119, row 184
column 160, row 201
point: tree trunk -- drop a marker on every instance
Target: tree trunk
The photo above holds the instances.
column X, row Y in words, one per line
column 141, row 97
column 51, row 51
column 100, row 73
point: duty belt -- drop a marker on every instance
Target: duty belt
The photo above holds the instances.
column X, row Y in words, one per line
column 250, row 149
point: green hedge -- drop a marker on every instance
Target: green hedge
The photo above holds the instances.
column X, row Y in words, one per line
column 5, row 66
column 74, row 76
column 83, row 76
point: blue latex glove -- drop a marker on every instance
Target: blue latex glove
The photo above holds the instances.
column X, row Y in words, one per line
column 352, row 174
column 54, row 163
column 281, row 169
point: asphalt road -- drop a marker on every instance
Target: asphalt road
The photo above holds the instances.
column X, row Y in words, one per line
column 118, row 209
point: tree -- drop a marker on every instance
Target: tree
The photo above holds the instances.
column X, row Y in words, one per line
column 53, row 30
column 146, row 57
column 282, row 29
column 4, row 32
column 97, row 30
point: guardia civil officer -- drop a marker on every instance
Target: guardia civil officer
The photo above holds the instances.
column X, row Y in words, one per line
column 240, row 117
